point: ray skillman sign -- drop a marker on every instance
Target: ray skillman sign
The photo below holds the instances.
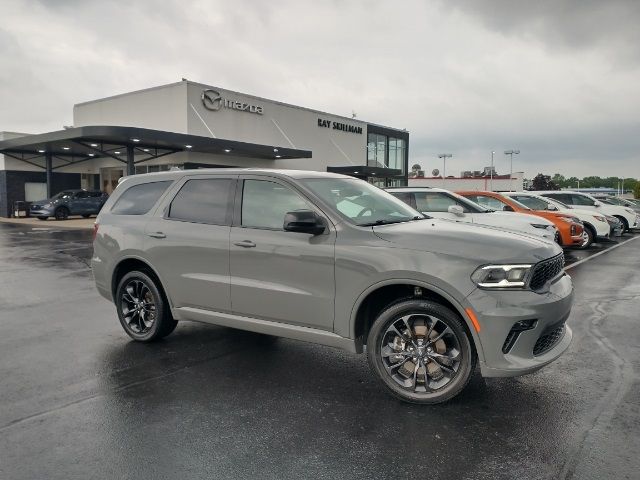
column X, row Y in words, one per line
column 339, row 126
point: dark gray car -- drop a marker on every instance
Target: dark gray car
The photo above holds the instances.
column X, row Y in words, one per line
column 69, row 202
column 333, row 260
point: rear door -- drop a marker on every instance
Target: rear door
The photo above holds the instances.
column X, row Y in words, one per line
column 277, row 275
column 187, row 240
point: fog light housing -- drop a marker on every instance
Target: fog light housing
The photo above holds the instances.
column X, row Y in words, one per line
column 517, row 328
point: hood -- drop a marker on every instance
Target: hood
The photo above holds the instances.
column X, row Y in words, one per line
column 475, row 242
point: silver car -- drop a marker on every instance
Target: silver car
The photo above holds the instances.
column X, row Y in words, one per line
column 333, row 260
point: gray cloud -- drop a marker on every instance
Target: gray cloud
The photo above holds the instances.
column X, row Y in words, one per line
column 559, row 80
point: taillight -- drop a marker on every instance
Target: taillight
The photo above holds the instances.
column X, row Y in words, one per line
column 95, row 230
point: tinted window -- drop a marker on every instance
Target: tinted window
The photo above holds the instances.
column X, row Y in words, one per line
column 487, row 202
column 139, row 199
column 436, row 202
column 95, row 194
column 581, row 200
column 531, row 202
column 82, row 195
column 264, row 204
column 406, row 197
column 202, row 201
column 563, row 197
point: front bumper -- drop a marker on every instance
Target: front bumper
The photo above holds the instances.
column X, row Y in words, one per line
column 498, row 311
column 41, row 212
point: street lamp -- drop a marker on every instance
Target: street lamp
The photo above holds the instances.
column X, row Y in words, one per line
column 444, row 157
column 491, row 172
column 511, row 153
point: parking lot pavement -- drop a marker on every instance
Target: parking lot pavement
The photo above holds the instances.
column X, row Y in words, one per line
column 80, row 400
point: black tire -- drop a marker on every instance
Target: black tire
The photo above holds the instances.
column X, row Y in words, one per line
column 150, row 324
column 61, row 213
column 625, row 224
column 42, row 218
column 440, row 315
column 588, row 236
column 86, row 215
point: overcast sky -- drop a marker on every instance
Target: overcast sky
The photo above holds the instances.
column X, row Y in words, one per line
column 558, row 79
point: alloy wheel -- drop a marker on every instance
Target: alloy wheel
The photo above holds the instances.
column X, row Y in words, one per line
column 421, row 353
column 138, row 306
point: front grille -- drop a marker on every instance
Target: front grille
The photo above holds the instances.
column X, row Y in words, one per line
column 548, row 340
column 545, row 271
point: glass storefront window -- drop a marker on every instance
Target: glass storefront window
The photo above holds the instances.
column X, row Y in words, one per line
column 376, row 146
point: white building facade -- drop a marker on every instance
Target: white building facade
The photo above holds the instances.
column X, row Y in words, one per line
column 323, row 141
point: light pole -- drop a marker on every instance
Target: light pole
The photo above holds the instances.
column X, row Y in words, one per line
column 511, row 153
column 444, row 157
column 491, row 171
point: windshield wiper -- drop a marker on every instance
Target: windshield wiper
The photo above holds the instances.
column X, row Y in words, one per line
column 390, row 222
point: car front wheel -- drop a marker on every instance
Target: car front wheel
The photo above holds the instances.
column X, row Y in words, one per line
column 421, row 351
column 143, row 312
column 62, row 213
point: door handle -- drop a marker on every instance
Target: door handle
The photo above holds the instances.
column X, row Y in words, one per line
column 245, row 244
column 157, row 235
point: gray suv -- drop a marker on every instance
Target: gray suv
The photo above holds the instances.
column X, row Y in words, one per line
column 333, row 260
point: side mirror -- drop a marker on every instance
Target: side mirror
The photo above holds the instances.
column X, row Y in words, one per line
column 597, row 204
column 508, row 208
column 303, row 221
column 456, row 210
column 551, row 207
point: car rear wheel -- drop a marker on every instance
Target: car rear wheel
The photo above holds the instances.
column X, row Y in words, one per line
column 143, row 312
column 62, row 213
column 421, row 351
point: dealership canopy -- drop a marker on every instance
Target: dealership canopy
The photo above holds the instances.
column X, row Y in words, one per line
column 127, row 145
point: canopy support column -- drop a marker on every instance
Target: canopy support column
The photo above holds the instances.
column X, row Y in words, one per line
column 49, row 169
column 131, row 167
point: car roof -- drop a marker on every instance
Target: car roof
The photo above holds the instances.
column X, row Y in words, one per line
column 417, row 189
column 274, row 172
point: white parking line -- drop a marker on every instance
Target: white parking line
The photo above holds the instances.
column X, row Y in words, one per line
column 600, row 253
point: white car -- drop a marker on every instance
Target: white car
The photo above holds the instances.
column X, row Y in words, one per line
column 595, row 224
column 584, row 201
column 440, row 203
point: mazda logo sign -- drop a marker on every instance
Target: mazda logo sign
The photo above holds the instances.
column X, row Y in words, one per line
column 211, row 100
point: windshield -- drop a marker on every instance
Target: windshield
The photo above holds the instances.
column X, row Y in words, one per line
column 360, row 202
column 555, row 202
column 64, row 194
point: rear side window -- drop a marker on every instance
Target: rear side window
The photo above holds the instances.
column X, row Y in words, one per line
column 563, row 197
column 203, row 201
column 581, row 200
column 139, row 199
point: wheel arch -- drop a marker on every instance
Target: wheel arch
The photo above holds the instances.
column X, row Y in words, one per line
column 625, row 222
column 382, row 294
column 129, row 264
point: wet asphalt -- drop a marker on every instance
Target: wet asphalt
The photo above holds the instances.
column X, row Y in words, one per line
column 78, row 399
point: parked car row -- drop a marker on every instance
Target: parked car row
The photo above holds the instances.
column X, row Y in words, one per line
column 579, row 223
column 331, row 259
column 69, row 202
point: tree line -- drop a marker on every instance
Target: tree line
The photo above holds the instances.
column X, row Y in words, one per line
column 558, row 181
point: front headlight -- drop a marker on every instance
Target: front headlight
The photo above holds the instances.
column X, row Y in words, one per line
column 629, row 210
column 599, row 218
column 501, row 276
column 48, row 205
column 540, row 225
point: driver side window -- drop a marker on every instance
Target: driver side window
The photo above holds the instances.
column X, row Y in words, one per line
column 489, row 202
column 265, row 203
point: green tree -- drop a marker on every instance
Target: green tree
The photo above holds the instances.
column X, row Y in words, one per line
column 636, row 190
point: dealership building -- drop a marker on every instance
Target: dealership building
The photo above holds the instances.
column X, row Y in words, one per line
column 191, row 125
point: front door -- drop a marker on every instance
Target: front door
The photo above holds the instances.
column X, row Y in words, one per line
column 277, row 275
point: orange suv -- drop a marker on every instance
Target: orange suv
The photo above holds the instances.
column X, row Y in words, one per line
column 569, row 228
